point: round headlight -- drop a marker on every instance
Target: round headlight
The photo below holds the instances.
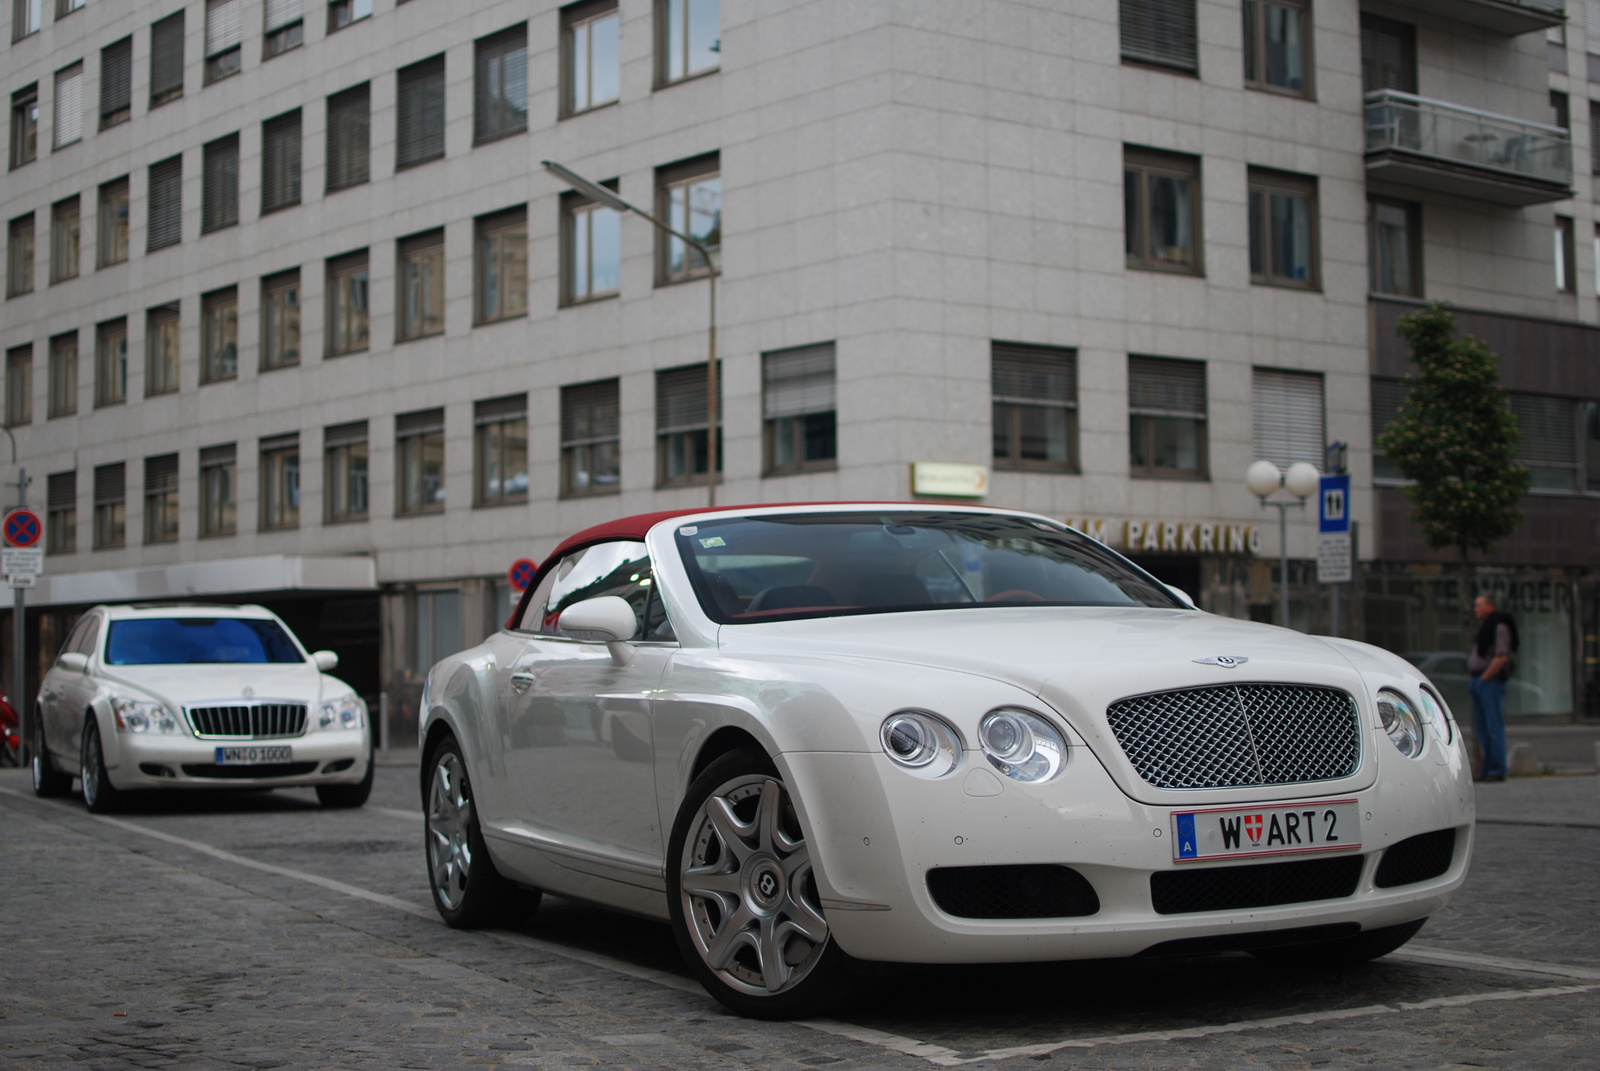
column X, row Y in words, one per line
column 1439, row 714
column 1022, row 745
column 920, row 742
column 1401, row 721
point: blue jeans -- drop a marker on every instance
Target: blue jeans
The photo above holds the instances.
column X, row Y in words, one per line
column 1489, row 717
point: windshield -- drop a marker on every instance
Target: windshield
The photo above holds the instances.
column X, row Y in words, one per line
column 830, row 564
column 162, row 641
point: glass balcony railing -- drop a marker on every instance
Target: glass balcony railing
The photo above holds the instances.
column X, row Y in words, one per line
column 1465, row 137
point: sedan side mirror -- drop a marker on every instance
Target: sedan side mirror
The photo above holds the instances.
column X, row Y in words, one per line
column 607, row 619
column 326, row 661
column 78, row 663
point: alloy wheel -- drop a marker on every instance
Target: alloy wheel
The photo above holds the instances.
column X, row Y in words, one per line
column 449, row 823
column 90, row 772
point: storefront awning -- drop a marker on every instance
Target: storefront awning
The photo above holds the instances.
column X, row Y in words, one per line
column 186, row 580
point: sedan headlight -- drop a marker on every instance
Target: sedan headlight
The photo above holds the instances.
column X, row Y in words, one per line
column 1022, row 745
column 1401, row 721
column 920, row 742
column 346, row 712
column 1439, row 714
column 143, row 716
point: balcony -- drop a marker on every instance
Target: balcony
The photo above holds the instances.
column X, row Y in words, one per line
column 1510, row 17
column 1430, row 145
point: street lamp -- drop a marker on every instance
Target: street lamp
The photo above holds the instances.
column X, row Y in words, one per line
column 596, row 192
column 1263, row 478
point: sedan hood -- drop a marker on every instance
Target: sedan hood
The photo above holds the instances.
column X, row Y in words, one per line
column 191, row 684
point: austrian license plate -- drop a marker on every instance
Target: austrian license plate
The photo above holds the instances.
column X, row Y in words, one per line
column 252, row 756
column 1279, row 829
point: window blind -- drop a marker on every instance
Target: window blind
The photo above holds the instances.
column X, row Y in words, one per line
column 1591, row 26
column 280, row 162
column 1033, row 374
column 420, row 134
column 1549, row 430
column 349, row 137
column 218, row 455
column 590, row 411
column 796, row 382
column 281, row 13
column 116, row 77
column 110, row 484
column 500, row 94
column 288, row 441
column 219, row 197
column 1160, row 386
column 681, row 398
column 1594, row 136
column 166, row 58
column 494, row 410
column 1288, row 418
column 69, row 105
column 166, row 203
column 224, row 25
column 1160, row 32
column 63, row 493
column 345, row 434
column 419, row 423
column 160, row 474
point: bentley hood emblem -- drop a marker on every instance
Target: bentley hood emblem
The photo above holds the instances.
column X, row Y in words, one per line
column 1223, row 660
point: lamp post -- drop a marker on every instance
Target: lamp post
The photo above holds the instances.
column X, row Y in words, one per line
column 596, row 192
column 1263, row 478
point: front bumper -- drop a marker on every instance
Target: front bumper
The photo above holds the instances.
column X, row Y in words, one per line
column 141, row 760
column 876, row 832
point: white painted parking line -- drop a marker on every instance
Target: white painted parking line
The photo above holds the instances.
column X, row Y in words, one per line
column 395, row 812
column 1444, row 957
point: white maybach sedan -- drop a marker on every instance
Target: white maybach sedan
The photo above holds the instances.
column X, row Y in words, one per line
column 196, row 697
column 813, row 735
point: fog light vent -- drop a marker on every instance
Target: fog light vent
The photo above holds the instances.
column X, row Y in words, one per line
column 1041, row 891
column 1416, row 859
column 338, row 765
column 151, row 769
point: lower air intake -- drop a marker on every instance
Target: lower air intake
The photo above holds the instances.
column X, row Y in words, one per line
column 1416, row 859
column 268, row 769
column 1234, row 888
column 1041, row 891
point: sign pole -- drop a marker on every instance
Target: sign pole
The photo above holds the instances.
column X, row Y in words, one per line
column 19, row 643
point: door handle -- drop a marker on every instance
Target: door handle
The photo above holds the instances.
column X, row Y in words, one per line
column 521, row 682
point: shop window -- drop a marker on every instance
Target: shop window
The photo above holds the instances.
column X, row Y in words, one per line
column 682, row 446
column 224, row 31
column 348, row 307
column 116, row 83
column 419, row 457
column 165, row 205
column 500, row 85
column 280, row 162
column 111, row 362
column 285, row 27
column 25, row 125
column 19, row 256
column 1035, row 407
column 1162, row 33
column 435, row 628
column 688, row 38
column 280, row 320
column 65, row 228
column 344, row 449
column 1394, row 247
column 1277, row 45
column 799, row 409
column 591, row 443
column 161, row 357
column 166, row 59
column 64, row 374
column 19, row 386
column 1161, row 210
column 114, row 222
column 349, row 137
column 69, row 107
column 419, row 122
column 1167, row 417
column 421, row 285
column 1283, row 229
column 219, row 184
column 161, row 499
column 1287, row 408
column 590, row 67
column 689, row 198
column 218, row 502
column 501, row 450
column 110, row 506
column 219, row 335
column 61, row 516
column 280, row 482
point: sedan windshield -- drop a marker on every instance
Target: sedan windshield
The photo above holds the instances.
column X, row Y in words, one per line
column 829, row 564
column 157, row 641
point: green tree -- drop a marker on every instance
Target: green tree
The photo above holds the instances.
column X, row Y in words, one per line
column 1455, row 438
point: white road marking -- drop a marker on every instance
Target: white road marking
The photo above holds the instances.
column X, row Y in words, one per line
column 395, row 812
column 1424, row 953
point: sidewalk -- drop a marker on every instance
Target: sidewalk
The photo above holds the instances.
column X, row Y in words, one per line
column 1564, row 748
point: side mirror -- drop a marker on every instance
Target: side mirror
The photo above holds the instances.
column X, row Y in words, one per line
column 1181, row 595
column 326, row 661
column 78, row 663
column 606, row 619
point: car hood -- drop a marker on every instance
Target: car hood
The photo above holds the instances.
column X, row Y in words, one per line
column 192, row 684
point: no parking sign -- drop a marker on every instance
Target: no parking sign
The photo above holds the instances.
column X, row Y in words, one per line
column 520, row 575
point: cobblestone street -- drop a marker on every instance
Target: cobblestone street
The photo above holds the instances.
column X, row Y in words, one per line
column 258, row 930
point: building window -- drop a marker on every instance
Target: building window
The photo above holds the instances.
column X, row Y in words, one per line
column 349, row 137
column 1566, row 256
column 19, row 386
column 67, row 7
column 344, row 450
column 1387, row 395
column 689, row 198
column 219, row 195
column 280, row 320
column 166, row 59
column 26, row 18
column 421, row 286
column 280, row 162
column 419, row 123
column 1597, row 258
column 1167, row 417
column 435, row 621
column 64, row 374
column 61, row 517
column 1591, row 445
column 69, row 106
column 113, row 222
column 1160, row 32
column 161, row 351
column 682, row 447
column 65, row 226
column 25, row 125
column 165, row 204
column 688, row 38
column 592, row 235
column 347, row 303
column 218, row 509
column 798, row 409
column 1283, row 229
column 19, row 256
column 589, row 55
column 591, row 444
column 500, row 96
column 419, row 457
column 1161, row 210
column 280, row 482
column 1277, row 44
column 1560, row 111
column 116, row 83
column 219, row 335
column 501, row 450
column 1287, row 410
column 342, row 13
column 1549, row 447
column 1388, row 55
column 110, row 506
column 224, row 31
column 161, row 499
column 1394, row 247
column 285, row 27
column 111, row 362
column 1035, row 399
column 1594, row 136
column 502, row 265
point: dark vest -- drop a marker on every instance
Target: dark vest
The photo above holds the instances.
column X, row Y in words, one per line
column 1485, row 639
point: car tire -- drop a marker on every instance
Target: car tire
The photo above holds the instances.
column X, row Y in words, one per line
column 1343, row 951
column 467, row 889
column 348, row 796
column 743, row 895
column 99, row 794
column 47, row 780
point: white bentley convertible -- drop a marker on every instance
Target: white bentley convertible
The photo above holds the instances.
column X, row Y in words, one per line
column 808, row 735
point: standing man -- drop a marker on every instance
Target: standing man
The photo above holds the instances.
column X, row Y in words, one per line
column 1488, row 666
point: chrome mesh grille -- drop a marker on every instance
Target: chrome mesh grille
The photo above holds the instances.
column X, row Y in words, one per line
column 249, row 719
column 1230, row 736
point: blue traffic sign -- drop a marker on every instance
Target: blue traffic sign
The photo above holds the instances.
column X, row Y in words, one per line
column 1333, row 512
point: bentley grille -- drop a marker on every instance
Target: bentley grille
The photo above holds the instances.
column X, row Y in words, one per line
column 1237, row 735
column 250, row 719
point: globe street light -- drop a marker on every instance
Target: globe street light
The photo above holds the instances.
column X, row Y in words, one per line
column 1263, row 478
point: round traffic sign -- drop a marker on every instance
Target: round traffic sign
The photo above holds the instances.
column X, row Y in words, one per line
column 521, row 573
column 23, row 528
